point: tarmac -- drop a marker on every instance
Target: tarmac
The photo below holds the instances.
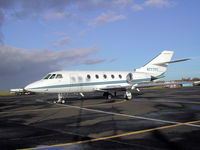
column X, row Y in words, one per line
column 158, row 119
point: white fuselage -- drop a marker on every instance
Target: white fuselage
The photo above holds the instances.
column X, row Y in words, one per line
column 85, row 81
column 105, row 81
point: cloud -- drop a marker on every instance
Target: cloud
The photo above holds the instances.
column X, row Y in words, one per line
column 4, row 5
column 105, row 18
column 59, row 34
column 1, row 23
column 153, row 4
column 94, row 61
column 157, row 3
column 59, row 15
column 83, row 32
column 91, row 5
column 113, row 59
column 63, row 41
column 120, row 3
column 17, row 59
column 19, row 66
column 54, row 10
column 137, row 7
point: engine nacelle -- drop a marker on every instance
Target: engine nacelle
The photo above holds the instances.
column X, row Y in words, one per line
column 129, row 77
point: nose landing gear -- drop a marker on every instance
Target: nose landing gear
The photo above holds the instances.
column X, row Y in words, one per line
column 60, row 99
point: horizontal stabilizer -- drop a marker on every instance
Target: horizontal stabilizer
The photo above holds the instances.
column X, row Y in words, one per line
column 174, row 61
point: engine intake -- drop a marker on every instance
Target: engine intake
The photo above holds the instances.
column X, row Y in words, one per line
column 129, row 77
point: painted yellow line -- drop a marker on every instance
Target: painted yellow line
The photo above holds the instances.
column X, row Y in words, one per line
column 43, row 109
column 184, row 102
column 115, row 136
column 168, row 101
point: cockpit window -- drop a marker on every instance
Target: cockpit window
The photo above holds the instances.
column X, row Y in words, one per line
column 47, row 76
column 53, row 76
column 59, row 76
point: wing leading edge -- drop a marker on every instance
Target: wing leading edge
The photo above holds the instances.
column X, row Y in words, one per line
column 140, row 85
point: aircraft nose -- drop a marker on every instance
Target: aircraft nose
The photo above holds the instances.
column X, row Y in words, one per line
column 28, row 87
column 34, row 87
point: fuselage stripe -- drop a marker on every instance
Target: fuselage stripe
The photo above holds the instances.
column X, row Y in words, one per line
column 88, row 84
column 96, row 83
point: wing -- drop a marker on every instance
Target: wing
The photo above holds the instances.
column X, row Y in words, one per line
column 165, row 84
column 141, row 85
column 114, row 88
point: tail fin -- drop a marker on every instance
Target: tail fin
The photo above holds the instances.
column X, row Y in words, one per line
column 158, row 66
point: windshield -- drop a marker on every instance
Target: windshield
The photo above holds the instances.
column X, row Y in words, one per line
column 53, row 76
column 47, row 76
column 59, row 76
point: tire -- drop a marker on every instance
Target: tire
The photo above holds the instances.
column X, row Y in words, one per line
column 109, row 96
column 63, row 101
column 128, row 97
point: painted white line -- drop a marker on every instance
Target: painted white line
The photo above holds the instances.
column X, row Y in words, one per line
column 130, row 116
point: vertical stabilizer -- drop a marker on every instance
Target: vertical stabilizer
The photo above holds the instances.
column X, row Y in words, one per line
column 157, row 66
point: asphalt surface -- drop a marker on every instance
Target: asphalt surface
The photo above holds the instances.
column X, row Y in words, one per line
column 155, row 119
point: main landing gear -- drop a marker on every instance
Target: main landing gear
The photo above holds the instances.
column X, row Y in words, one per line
column 107, row 95
column 128, row 95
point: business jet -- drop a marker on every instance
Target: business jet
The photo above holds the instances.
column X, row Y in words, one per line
column 108, row 82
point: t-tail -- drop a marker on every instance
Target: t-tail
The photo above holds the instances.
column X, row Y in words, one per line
column 158, row 66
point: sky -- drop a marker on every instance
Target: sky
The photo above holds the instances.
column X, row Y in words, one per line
column 41, row 36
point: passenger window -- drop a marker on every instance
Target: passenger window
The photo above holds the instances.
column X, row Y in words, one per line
column 47, row 76
column 53, row 76
column 80, row 79
column 97, row 76
column 120, row 76
column 112, row 76
column 73, row 79
column 105, row 76
column 88, row 76
column 59, row 76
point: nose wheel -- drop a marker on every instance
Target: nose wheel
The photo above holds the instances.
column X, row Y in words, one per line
column 60, row 99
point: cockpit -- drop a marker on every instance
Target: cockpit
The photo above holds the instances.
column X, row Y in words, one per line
column 53, row 76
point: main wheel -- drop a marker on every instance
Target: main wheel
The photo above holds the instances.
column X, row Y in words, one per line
column 128, row 95
column 63, row 101
column 109, row 96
